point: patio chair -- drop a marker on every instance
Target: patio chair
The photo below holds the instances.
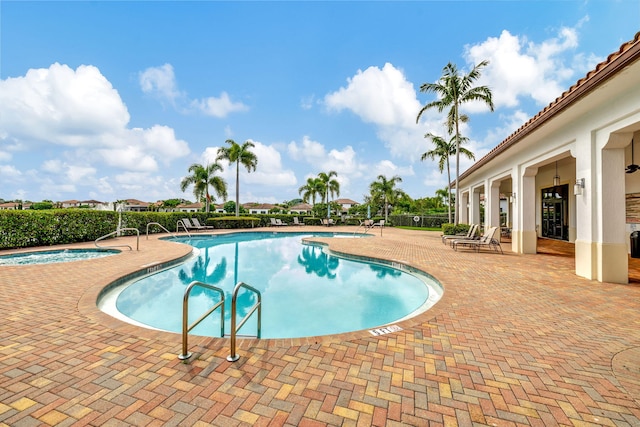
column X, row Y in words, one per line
column 488, row 240
column 189, row 226
column 280, row 223
column 199, row 226
column 273, row 222
column 470, row 235
column 296, row 221
column 378, row 224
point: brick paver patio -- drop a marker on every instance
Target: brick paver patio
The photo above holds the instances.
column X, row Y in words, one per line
column 516, row 340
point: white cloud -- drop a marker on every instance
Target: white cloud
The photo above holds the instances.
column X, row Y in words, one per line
column 161, row 141
column 270, row 171
column 380, row 96
column 9, row 172
column 81, row 110
column 314, row 153
column 5, row 156
column 160, row 82
column 218, row 107
column 307, row 150
column 521, row 68
column 389, row 169
column 60, row 106
column 385, row 98
column 306, row 103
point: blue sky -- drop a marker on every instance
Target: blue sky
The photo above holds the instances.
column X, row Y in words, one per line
column 113, row 100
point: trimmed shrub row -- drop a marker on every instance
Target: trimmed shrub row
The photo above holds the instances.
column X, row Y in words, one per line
column 29, row 228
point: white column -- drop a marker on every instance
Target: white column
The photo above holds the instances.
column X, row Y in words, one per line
column 528, row 235
column 612, row 260
column 463, row 208
column 492, row 205
column 514, row 215
column 585, row 246
column 474, row 208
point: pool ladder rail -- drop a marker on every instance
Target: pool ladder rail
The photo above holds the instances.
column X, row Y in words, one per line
column 162, row 227
column 235, row 327
column 119, row 232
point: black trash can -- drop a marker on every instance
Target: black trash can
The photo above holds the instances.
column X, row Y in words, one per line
column 635, row 244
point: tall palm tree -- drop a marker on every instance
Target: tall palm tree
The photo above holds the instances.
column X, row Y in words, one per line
column 202, row 177
column 384, row 189
column 442, row 197
column 443, row 151
column 310, row 190
column 455, row 89
column 240, row 155
column 330, row 186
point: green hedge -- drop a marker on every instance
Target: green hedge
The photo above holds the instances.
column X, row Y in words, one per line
column 231, row 222
column 29, row 228
column 452, row 229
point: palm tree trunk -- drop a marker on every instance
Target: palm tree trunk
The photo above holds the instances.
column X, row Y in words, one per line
column 386, row 209
column 237, row 188
column 457, row 211
column 449, row 189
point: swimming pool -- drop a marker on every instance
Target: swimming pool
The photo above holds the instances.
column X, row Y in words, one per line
column 305, row 290
column 54, row 256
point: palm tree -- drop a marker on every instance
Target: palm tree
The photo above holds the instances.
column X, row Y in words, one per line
column 442, row 197
column 310, row 190
column 202, row 177
column 385, row 189
column 454, row 90
column 240, row 155
column 443, row 151
column 329, row 186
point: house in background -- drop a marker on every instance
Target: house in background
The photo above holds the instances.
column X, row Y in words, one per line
column 69, row 204
column 189, row 207
column 133, row 205
column 346, row 204
column 9, row 206
column 258, row 208
column 301, row 209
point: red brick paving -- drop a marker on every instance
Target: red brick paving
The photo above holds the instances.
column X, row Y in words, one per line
column 516, row 340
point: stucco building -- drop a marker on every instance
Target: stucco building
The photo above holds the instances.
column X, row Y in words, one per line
column 567, row 171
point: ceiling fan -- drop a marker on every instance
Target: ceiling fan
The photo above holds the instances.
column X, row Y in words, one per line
column 632, row 167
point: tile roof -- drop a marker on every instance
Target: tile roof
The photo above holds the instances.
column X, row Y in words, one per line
column 628, row 53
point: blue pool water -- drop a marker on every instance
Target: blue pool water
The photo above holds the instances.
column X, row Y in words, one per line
column 305, row 291
column 59, row 255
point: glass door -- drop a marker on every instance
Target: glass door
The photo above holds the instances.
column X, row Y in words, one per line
column 555, row 207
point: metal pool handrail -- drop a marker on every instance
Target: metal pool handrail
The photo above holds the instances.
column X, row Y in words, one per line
column 257, row 306
column 159, row 225
column 178, row 224
column 185, row 315
column 118, row 232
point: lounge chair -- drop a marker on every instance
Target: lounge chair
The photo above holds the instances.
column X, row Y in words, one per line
column 296, row 221
column 367, row 224
column 273, row 222
column 378, row 224
column 328, row 222
column 280, row 223
column 488, row 240
column 470, row 235
column 199, row 226
column 188, row 226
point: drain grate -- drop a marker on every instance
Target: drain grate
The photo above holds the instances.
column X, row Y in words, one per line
column 385, row 330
